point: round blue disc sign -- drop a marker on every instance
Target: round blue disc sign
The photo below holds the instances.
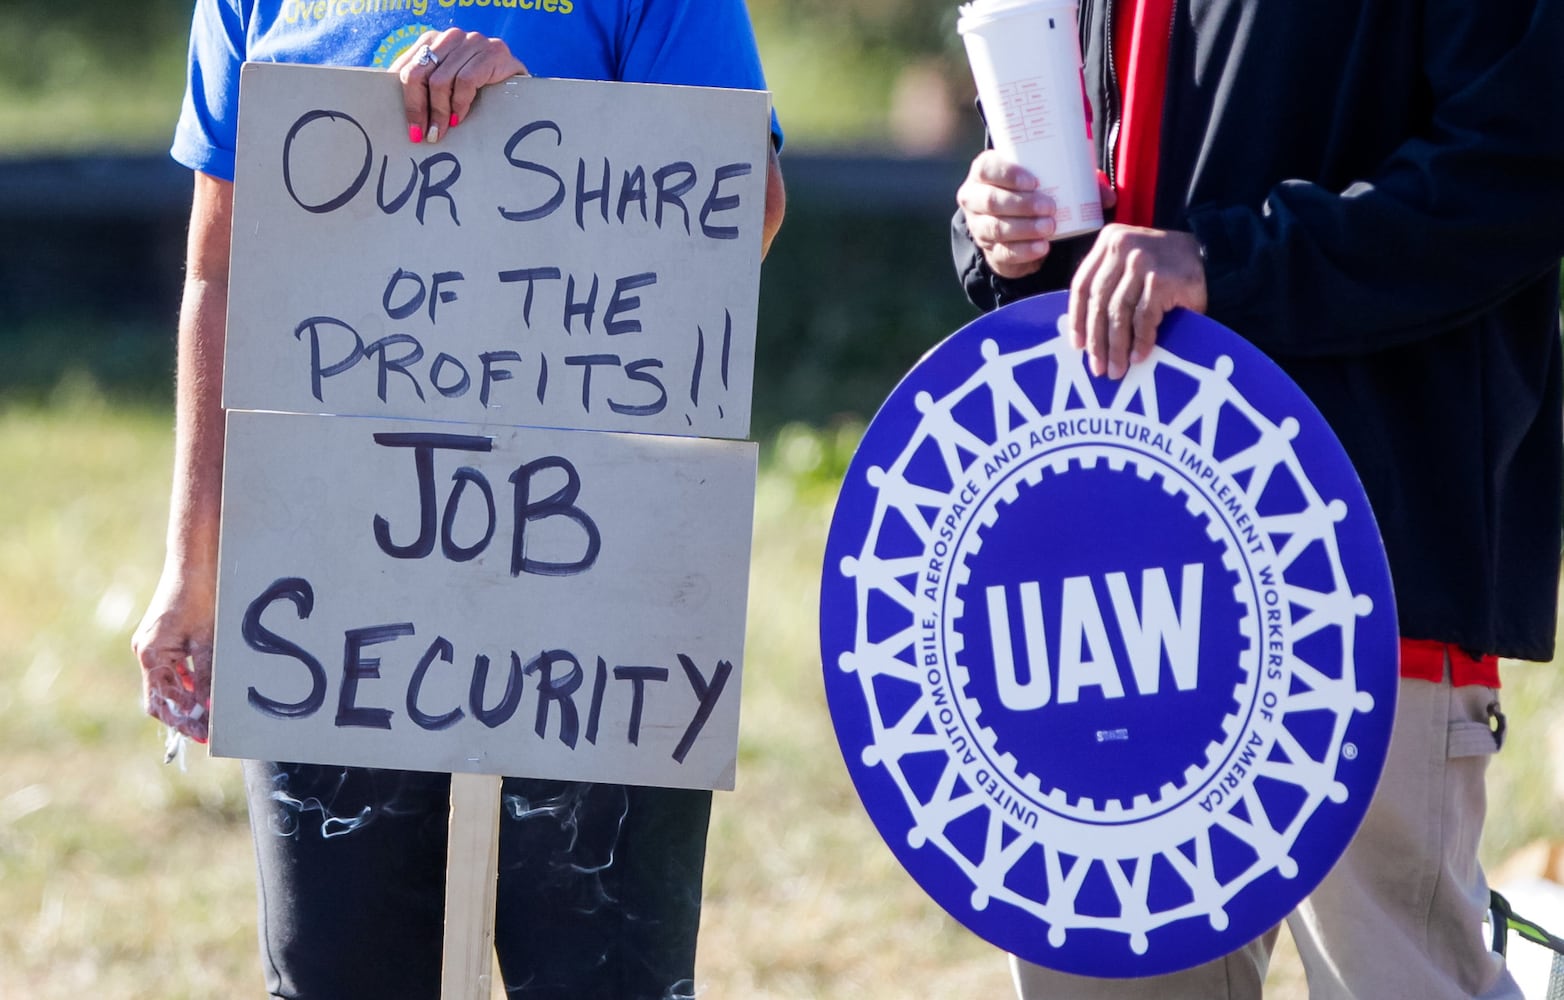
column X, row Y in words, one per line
column 1112, row 663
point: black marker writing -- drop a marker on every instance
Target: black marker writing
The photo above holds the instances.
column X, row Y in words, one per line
column 263, row 640
column 440, row 649
column 671, row 183
column 556, row 677
column 418, row 293
column 437, row 522
column 424, row 447
column 437, row 172
column 356, row 666
column 707, row 693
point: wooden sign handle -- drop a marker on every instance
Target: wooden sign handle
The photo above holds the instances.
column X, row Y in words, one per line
column 472, row 868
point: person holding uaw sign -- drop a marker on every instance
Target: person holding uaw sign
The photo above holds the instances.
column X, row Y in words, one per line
column 352, row 906
column 1373, row 194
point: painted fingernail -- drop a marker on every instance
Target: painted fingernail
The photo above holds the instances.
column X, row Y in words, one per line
column 454, row 119
column 415, row 134
column 434, row 133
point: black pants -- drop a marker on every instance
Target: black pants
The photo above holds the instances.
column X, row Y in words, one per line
column 598, row 898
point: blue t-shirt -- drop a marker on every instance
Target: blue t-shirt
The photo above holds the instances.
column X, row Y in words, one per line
column 706, row 43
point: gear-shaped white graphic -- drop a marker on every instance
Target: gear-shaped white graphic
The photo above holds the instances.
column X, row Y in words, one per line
column 1121, row 842
column 1145, row 467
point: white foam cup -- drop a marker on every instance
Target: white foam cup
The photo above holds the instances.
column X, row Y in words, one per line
column 1026, row 61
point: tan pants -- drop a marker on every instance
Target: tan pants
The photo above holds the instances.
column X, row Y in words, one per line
column 1400, row 916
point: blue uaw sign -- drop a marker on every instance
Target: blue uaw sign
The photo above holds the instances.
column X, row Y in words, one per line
column 1112, row 663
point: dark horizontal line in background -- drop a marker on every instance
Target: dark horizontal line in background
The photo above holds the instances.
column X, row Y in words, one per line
column 151, row 186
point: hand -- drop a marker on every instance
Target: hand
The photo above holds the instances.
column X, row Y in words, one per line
column 174, row 645
column 1011, row 220
column 438, row 93
column 1131, row 279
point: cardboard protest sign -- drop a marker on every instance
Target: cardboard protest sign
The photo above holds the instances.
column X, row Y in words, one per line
column 1112, row 663
column 405, row 594
column 442, row 548
column 574, row 254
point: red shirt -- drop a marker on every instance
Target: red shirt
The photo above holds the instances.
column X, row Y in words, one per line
column 1424, row 659
column 1142, row 30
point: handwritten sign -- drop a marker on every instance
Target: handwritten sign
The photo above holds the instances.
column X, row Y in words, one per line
column 574, row 254
column 406, row 594
column 444, row 547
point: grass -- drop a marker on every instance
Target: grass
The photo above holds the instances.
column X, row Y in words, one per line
column 118, row 877
column 121, row 878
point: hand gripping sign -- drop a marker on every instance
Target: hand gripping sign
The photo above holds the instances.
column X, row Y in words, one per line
column 1112, row 664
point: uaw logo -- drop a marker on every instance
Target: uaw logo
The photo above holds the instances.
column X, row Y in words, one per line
column 1112, row 663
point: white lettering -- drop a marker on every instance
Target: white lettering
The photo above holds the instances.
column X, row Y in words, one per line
column 1084, row 656
column 1036, row 691
column 1156, row 625
column 1081, row 625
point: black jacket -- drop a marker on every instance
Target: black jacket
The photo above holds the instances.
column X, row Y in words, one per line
column 1379, row 185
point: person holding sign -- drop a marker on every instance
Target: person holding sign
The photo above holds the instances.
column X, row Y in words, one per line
column 1370, row 193
column 599, row 891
